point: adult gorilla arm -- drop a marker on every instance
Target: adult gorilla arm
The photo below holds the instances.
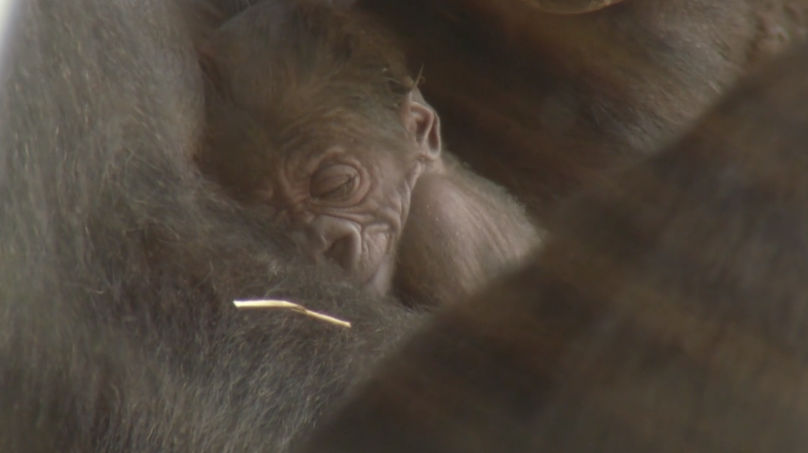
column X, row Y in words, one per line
column 667, row 312
column 119, row 264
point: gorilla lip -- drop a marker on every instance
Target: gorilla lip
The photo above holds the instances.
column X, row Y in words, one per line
column 291, row 306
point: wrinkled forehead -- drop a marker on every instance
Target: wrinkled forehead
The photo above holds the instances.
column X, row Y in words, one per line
column 296, row 132
column 339, row 131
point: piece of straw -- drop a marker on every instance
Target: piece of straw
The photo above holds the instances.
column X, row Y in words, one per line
column 269, row 303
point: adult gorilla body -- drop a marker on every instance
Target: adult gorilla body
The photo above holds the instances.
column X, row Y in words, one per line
column 119, row 264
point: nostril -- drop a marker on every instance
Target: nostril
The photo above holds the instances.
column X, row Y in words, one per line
column 336, row 239
column 341, row 251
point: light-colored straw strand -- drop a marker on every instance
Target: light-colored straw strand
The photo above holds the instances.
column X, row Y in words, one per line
column 282, row 304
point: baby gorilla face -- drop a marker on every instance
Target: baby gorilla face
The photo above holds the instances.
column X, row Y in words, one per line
column 347, row 204
column 317, row 117
column 380, row 201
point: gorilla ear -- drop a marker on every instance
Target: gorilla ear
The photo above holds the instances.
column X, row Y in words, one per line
column 422, row 120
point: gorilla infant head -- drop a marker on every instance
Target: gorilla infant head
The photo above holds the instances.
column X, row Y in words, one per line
column 312, row 114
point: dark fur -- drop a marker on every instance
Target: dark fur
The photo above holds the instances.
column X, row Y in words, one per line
column 668, row 312
column 544, row 104
column 119, row 264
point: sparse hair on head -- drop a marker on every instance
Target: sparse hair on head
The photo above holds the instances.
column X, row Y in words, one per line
column 303, row 56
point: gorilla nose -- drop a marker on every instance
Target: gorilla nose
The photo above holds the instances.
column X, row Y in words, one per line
column 337, row 240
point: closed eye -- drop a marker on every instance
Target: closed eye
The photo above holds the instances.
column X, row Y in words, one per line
column 334, row 183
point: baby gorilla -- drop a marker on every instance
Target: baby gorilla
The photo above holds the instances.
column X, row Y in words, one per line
column 312, row 114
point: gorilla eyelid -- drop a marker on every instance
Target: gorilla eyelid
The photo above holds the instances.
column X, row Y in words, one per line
column 334, row 183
